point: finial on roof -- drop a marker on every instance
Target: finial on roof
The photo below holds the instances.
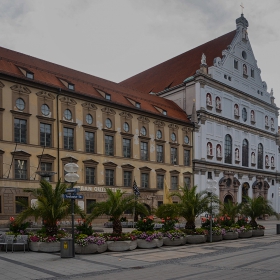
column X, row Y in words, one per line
column 242, row 21
column 203, row 59
column 194, row 115
column 271, row 92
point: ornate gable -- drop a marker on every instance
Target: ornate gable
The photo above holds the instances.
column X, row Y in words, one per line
column 45, row 95
column 20, row 89
column 89, row 106
column 109, row 111
column 68, row 100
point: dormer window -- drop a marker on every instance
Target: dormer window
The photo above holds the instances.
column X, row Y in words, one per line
column 30, row 75
column 235, row 64
column 137, row 105
column 164, row 112
column 107, row 96
column 71, row 86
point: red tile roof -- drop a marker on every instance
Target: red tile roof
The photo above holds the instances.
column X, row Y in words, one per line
column 175, row 70
column 50, row 74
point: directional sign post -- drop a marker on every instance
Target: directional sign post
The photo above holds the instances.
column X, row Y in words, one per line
column 73, row 196
column 72, row 190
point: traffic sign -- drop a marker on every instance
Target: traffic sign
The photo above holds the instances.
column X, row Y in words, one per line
column 73, row 196
column 72, row 190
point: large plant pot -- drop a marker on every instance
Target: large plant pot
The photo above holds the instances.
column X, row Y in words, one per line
column 215, row 238
column 47, row 247
column 90, row 248
column 196, row 239
column 119, row 246
column 143, row 244
column 257, row 232
column 245, row 234
column 175, row 242
column 230, row 235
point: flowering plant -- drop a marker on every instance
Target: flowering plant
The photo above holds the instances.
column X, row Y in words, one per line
column 245, row 228
column 169, row 224
column 117, row 237
column 174, row 234
column 242, row 221
column 259, row 227
column 149, row 235
column 18, row 228
column 41, row 236
column 84, row 240
column 217, row 231
column 84, row 227
column 146, row 224
column 205, row 222
column 231, row 229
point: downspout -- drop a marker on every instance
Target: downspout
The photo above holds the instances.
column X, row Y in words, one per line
column 57, row 135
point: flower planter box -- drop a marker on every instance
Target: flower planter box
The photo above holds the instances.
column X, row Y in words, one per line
column 143, row 244
column 196, row 239
column 257, row 232
column 230, row 235
column 47, row 247
column 90, row 248
column 175, row 242
column 120, row 246
column 215, row 238
column 245, row 234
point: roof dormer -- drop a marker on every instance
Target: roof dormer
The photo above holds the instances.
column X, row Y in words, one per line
column 134, row 103
column 67, row 84
column 162, row 111
column 105, row 95
column 27, row 73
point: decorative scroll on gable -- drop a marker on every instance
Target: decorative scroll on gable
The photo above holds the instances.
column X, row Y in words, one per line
column 173, row 126
column 159, row 123
column 143, row 119
column 68, row 100
column 187, row 129
column 45, row 95
column 89, row 106
column 126, row 115
column 109, row 111
column 20, row 89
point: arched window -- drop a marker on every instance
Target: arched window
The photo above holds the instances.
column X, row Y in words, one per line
column 228, row 149
column 245, row 152
column 260, row 156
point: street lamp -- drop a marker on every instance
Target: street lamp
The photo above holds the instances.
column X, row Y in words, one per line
column 211, row 189
column 72, row 177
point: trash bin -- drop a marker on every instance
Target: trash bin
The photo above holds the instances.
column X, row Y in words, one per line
column 66, row 248
column 277, row 228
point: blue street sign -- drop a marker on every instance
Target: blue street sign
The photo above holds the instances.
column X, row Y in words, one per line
column 73, row 196
column 73, row 190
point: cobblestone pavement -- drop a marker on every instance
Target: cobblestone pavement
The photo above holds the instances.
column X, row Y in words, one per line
column 252, row 258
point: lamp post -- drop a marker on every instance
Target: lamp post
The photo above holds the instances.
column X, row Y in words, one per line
column 72, row 177
column 211, row 189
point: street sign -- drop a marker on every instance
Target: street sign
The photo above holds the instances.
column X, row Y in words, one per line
column 72, row 190
column 73, row 196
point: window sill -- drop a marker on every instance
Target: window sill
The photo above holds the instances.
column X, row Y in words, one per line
column 218, row 110
column 210, row 156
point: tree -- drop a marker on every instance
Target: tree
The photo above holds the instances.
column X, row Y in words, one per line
column 50, row 206
column 116, row 204
column 192, row 204
column 231, row 210
column 256, row 207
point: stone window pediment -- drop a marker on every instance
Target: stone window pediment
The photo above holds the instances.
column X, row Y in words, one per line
column 20, row 154
column 110, row 164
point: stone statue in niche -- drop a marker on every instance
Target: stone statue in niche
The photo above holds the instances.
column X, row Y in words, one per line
column 272, row 161
column 252, row 116
column 218, row 103
column 236, row 111
column 244, row 69
column 219, row 152
column 203, row 59
column 266, row 120
column 236, row 154
column 209, row 149
column 272, row 123
column 244, row 34
column 208, row 99
column 253, row 158
column 266, row 160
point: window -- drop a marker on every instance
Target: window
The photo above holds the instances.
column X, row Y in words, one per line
column 21, row 169
column 71, row 86
column 108, row 123
column 260, row 156
column 252, row 73
column 89, row 205
column 164, row 112
column 20, row 130
column 228, row 149
column 21, row 199
column 144, row 180
column 187, row 157
column 160, row 181
column 109, row 145
column 45, row 135
column 144, row 151
column 110, row 177
column 89, row 119
column 244, row 54
column 186, row 140
column 159, row 153
column 244, row 114
column 173, row 137
column 107, row 96
column 89, row 138
column 126, row 127
column 159, row 203
column 67, row 114
column 126, row 148
column 143, row 131
column 174, row 182
column 46, row 166
column 173, row 155
column 137, row 105
column 45, row 110
column 235, row 64
column 187, row 182
column 209, row 175
column 30, row 75
column 127, row 178
column 245, row 152
column 90, row 175
column 159, row 134
column 20, row 104
column 68, row 137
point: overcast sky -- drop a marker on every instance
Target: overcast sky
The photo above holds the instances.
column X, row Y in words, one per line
column 115, row 39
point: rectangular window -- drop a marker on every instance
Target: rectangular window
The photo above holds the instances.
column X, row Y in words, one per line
column 173, row 155
column 187, row 157
column 68, row 137
column 21, row 169
column 127, row 175
column 160, row 181
column 20, row 130
column 209, row 175
column 71, row 86
column 21, row 199
column 89, row 138
column 252, row 73
column 187, row 182
column 90, row 175
column 46, row 166
column 235, row 64
column 109, row 145
column 29, row 75
column 144, row 180
column 109, row 177
column 107, row 96
column 159, row 203
column 126, row 148
column 159, row 153
column 89, row 205
column 45, row 135
column 174, row 182
column 144, row 151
